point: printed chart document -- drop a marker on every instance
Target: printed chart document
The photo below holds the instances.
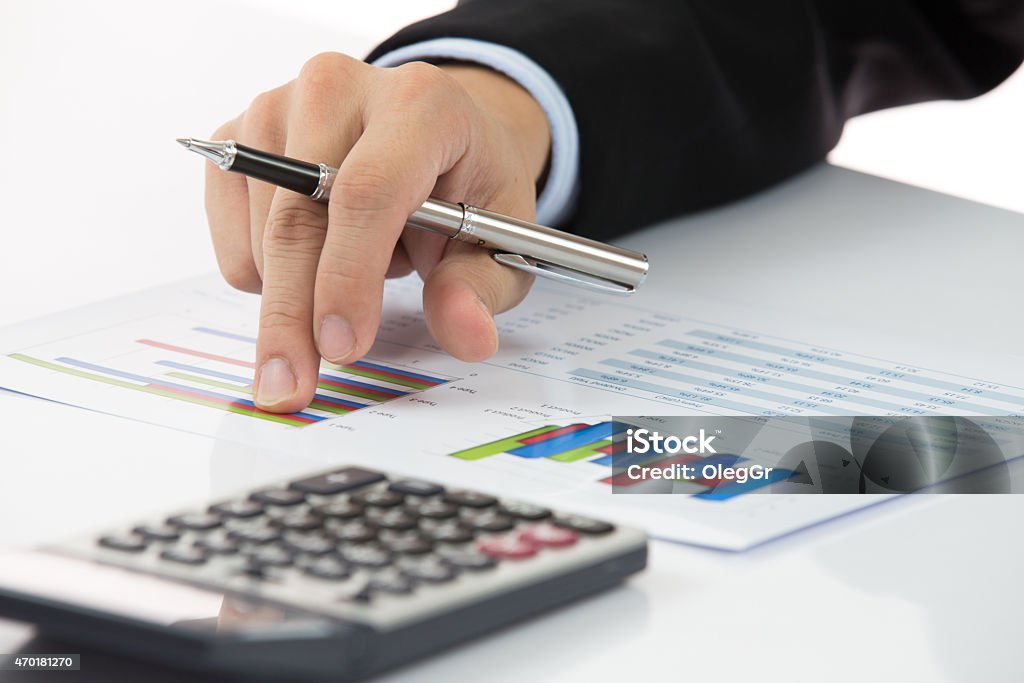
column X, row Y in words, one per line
column 533, row 422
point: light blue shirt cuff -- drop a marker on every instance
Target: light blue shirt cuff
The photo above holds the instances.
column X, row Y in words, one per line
column 557, row 199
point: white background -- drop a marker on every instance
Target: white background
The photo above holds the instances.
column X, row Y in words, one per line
column 128, row 78
column 908, row 595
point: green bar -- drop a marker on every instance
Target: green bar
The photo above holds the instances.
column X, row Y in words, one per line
column 500, row 446
column 337, row 410
column 411, row 383
column 352, row 391
column 74, row 371
column 240, row 410
column 579, row 453
column 331, row 408
column 209, row 382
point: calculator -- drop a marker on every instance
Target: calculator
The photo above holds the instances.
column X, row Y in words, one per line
column 333, row 576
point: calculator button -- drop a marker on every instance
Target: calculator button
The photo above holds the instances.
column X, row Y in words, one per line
column 549, row 536
column 340, row 509
column 131, row 543
column 449, row 531
column 525, row 511
column 390, row 581
column 366, row 556
column 428, row 569
column 355, row 531
column 506, row 547
column 330, row 568
column 254, row 533
column 197, row 521
column 218, row 545
column 584, row 525
column 299, row 520
column 414, row 487
column 381, row 498
column 270, row 556
column 158, row 532
column 489, row 521
column 338, row 481
column 467, row 559
column 307, row 543
column 279, row 497
column 437, row 509
column 192, row 555
column 238, row 508
column 407, row 544
column 397, row 519
column 470, row 499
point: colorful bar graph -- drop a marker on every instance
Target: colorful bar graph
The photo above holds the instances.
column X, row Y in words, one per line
column 209, row 381
column 167, row 393
column 565, row 442
column 486, row 450
column 594, row 444
column 413, row 380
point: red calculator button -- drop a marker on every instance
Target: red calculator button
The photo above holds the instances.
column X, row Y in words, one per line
column 549, row 536
column 506, row 547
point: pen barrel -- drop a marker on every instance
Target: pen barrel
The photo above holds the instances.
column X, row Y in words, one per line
column 555, row 247
column 291, row 174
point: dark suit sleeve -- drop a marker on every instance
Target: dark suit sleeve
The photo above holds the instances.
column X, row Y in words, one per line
column 684, row 104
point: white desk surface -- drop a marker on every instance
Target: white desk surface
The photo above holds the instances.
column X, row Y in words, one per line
column 918, row 590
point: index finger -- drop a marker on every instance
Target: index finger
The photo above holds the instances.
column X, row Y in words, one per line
column 387, row 175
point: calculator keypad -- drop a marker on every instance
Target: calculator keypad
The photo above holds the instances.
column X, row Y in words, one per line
column 356, row 530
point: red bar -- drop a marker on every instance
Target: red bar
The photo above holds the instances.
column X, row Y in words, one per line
column 197, row 354
column 384, row 396
column 233, row 404
column 553, row 433
column 622, row 479
column 396, row 375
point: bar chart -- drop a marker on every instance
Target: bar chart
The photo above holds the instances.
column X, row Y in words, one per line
column 213, row 368
column 595, row 444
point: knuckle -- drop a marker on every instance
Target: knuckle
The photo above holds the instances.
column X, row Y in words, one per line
column 280, row 314
column 263, row 118
column 418, row 81
column 343, row 272
column 364, row 188
column 294, row 224
column 323, row 73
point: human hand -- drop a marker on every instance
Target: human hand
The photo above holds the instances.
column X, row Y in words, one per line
column 397, row 136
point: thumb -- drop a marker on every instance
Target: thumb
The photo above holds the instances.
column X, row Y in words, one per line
column 463, row 293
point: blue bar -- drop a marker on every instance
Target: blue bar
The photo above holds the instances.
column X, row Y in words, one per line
column 171, row 385
column 203, row 371
column 363, row 385
column 226, row 335
column 247, row 382
column 565, row 442
column 399, row 371
column 733, row 489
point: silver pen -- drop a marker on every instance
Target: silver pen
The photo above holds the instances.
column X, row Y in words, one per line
column 516, row 243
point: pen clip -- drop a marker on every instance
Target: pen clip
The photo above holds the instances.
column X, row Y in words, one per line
column 561, row 273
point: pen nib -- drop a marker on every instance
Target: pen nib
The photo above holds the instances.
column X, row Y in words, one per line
column 220, row 153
